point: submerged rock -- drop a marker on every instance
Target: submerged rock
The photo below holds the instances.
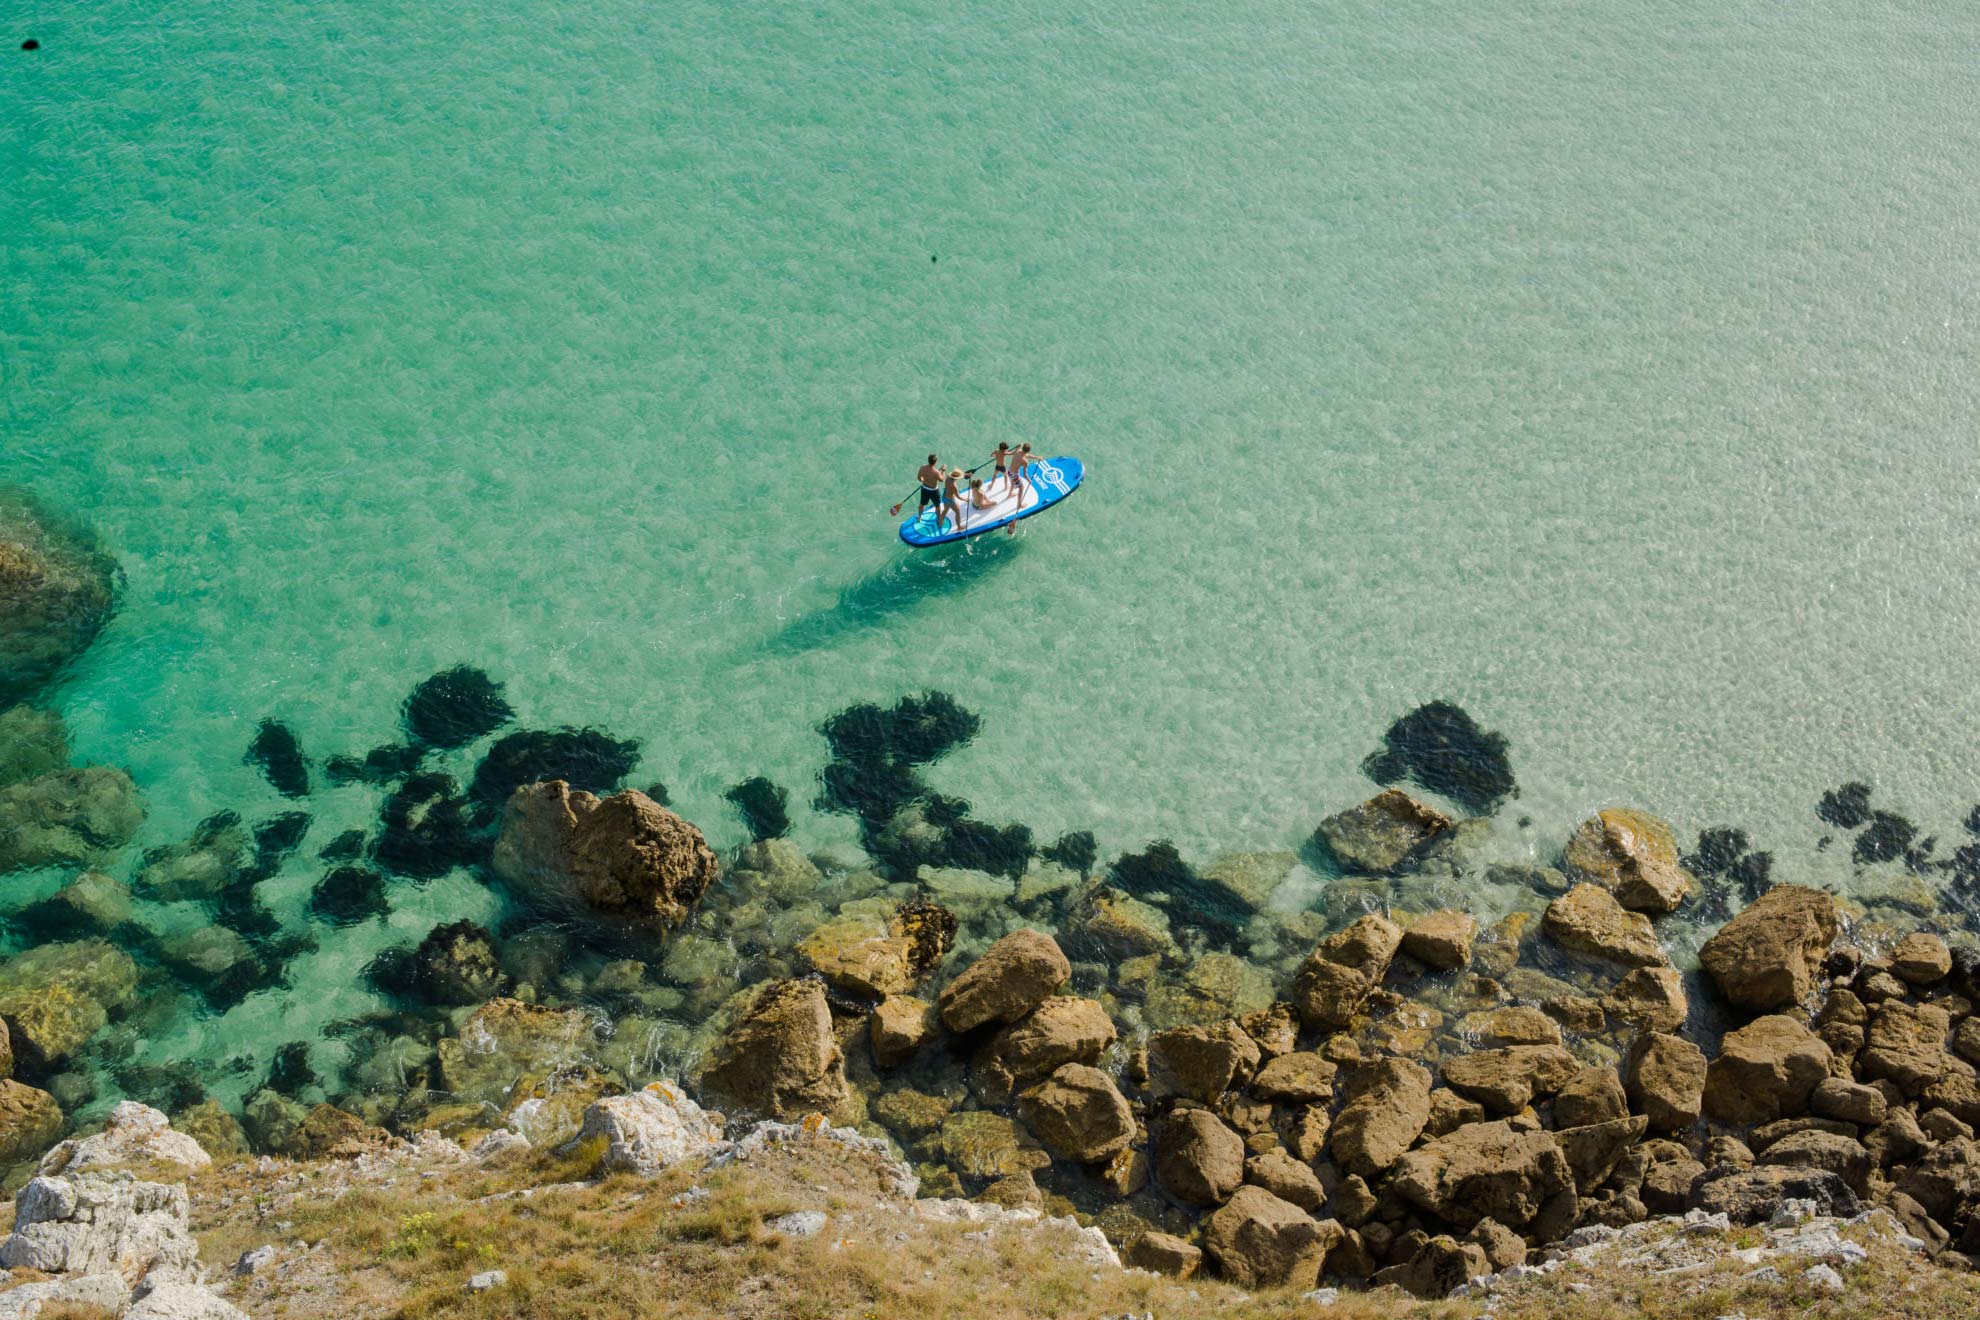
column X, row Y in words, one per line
column 349, row 895
column 67, row 817
column 279, row 753
column 426, row 831
column 54, row 997
column 1443, row 749
column 32, row 743
column 454, row 707
column 505, row 1040
column 1159, row 875
column 457, row 964
column 914, row 731
column 57, row 589
column 1382, row 833
column 1846, row 808
column 202, row 867
column 624, row 855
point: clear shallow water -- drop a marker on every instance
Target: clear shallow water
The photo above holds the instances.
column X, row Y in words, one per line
column 1608, row 373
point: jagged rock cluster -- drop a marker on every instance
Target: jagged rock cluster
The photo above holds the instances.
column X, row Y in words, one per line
column 103, row 1226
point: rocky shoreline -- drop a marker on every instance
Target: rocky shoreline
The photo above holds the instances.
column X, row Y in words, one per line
column 1292, row 1070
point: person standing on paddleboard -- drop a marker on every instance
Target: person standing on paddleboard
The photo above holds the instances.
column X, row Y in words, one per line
column 1003, row 460
column 951, row 497
column 930, row 478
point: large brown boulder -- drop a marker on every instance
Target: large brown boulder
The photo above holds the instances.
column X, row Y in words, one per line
column 1384, row 1115
column 1334, row 982
column 1198, row 1160
column 1649, row 998
column 1383, row 832
column 1079, row 1114
column 1593, row 1095
column 1764, row 1071
column 1300, row 1077
column 30, row 1122
column 1843, row 1156
column 1594, row 1150
column 1921, row 958
column 1946, row 1179
column 1906, row 1043
column 781, row 1058
column 1506, row 1080
column 1260, row 1241
column 1484, row 1171
column 626, row 854
column 1751, row 1196
column 1665, row 1080
column 1767, row 957
column 1633, row 855
column 1063, row 1029
column 1442, row 939
column 899, row 1027
column 1441, row 1266
column 1588, row 919
column 1287, row 1178
column 1013, row 976
column 1200, row 1062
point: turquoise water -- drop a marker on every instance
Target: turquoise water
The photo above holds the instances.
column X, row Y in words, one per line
column 1606, row 372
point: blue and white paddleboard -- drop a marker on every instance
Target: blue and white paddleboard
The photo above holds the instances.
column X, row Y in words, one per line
column 1048, row 481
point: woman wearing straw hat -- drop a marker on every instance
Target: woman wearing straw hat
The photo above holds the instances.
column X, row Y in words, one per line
column 951, row 497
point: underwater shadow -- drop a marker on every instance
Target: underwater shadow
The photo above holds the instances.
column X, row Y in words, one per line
column 886, row 594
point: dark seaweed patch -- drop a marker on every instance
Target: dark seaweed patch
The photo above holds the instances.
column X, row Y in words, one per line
column 1846, row 808
column 1077, row 850
column 583, row 758
column 1159, row 875
column 914, row 731
column 278, row 752
column 1884, row 839
column 763, row 806
column 1443, row 749
column 456, row 706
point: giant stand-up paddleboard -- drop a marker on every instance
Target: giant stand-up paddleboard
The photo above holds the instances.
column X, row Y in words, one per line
column 1048, row 481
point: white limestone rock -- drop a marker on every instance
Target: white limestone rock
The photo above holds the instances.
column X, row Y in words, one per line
column 650, row 1129
column 136, row 1137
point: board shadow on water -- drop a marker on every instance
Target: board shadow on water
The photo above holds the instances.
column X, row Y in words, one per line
column 896, row 590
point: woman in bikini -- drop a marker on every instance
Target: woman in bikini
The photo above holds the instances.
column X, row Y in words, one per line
column 951, row 498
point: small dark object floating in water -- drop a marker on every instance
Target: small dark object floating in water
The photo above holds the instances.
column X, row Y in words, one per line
column 30, row 44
